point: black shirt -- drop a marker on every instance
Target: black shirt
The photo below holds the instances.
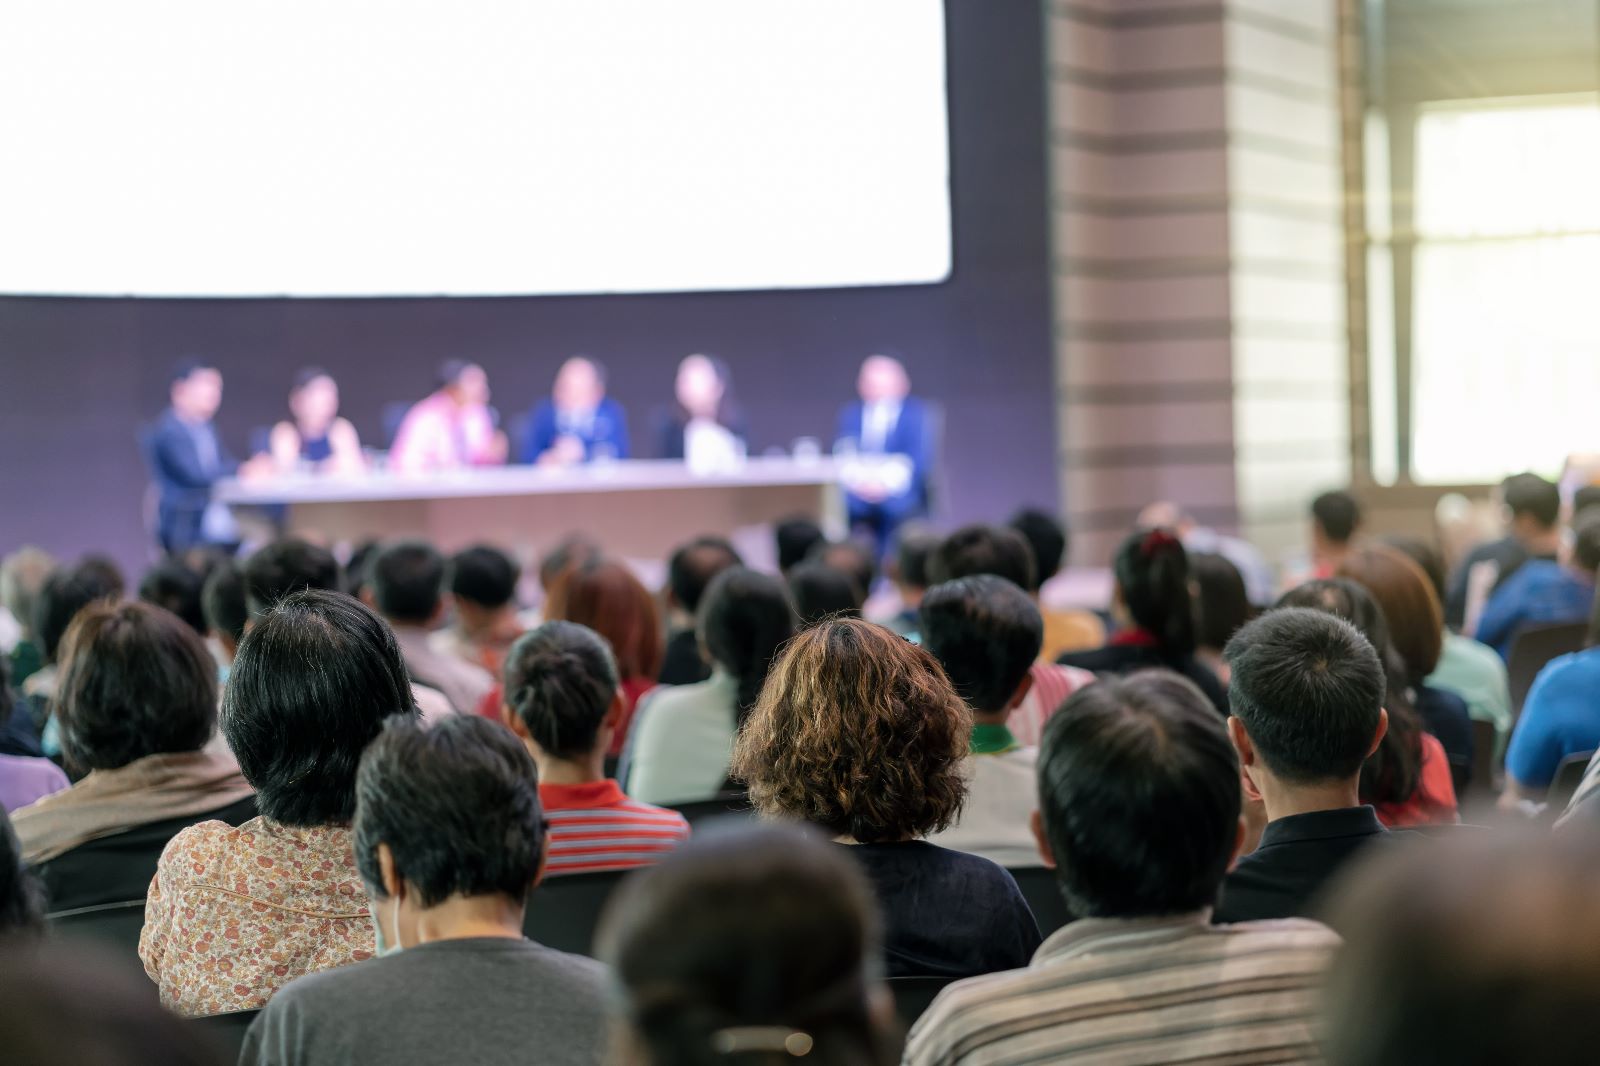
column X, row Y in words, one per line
column 681, row 663
column 1445, row 715
column 1119, row 659
column 1296, row 858
column 947, row 913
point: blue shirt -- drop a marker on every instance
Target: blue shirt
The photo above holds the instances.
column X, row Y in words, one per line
column 1539, row 593
column 1561, row 718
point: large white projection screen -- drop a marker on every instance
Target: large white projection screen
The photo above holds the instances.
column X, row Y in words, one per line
column 465, row 147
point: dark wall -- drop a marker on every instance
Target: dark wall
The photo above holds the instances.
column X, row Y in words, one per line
column 79, row 376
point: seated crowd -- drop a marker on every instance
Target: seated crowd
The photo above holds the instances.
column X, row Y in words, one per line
column 953, row 820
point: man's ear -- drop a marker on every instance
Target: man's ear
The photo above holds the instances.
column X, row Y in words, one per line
column 513, row 721
column 613, row 716
column 1381, row 731
column 393, row 883
column 1024, row 687
column 368, row 598
column 1036, row 823
column 1241, row 741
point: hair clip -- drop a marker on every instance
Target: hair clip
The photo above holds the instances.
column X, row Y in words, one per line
column 1155, row 540
column 772, row 1038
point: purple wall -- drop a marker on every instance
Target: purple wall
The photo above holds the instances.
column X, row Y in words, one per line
column 79, row 376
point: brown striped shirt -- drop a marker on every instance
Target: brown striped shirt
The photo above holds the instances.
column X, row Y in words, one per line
column 1105, row 991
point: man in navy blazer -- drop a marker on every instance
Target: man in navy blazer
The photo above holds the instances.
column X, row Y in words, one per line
column 888, row 421
column 186, row 457
column 578, row 422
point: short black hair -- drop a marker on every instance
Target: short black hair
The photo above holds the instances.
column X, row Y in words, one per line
column 1533, row 496
column 1223, row 604
column 305, row 376
column 913, row 547
column 311, row 686
column 1046, row 536
column 103, row 571
column 285, row 566
column 820, row 592
column 1337, row 514
column 795, row 538
column 1586, row 540
column 1309, row 689
column 561, row 679
column 484, row 575
column 136, row 680
column 171, row 585
column 853, row 557
column 407, row 580
column 1584, row 498
column 64, row 593
column 1152, row 574
column 571, row 552
column 745, row 618
column 1139, row 796
column 986, row 633
column 694, row 564
column 222, row 600
column 458, row 806
column 985, row 549
column 188, row 367
column 450, row 371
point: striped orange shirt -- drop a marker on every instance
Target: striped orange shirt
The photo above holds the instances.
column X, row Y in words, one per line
column 595, row 827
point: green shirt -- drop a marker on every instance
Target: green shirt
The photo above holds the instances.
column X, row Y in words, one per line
column 1475, row 673
column 992, row 739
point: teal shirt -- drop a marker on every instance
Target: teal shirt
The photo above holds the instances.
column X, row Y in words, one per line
column 1477, row 674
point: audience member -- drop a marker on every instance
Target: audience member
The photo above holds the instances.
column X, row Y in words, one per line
column 1259, row 578
column 604, row 595
column 1140, row 817
column 754, row 945
column 405, row 584
column 357, row 567
column 449, row 840
column 483, row 590
column 563, row 702
column 1152, row 604
column 821, row 592
column 285, row 566
column 227, row 613
column 315, row 437
column 1533, row 521
column 907, row 569
column 689, row 572
column 1545, row 592
column 577, row 422
column 65, row 593
column 703, row 426
column 1416, row 626
column 1003, row 552
column 1408, row 778
column 24, row 777
column 569, row 553
column 315, row 678
column 986, row 633
column 1335, row 521
column 1307, row 698
column 683, row 739
column 21, row 897
column 794, row 539
column 1221, row 608
column 853, row 557
column 1469, row 669
column 858, row 732
column 137, row 703
column 175, row 588
column 1561, row 717
column 1064, row 631
column 1476, row 951
column 453, row 427
column 22, row 574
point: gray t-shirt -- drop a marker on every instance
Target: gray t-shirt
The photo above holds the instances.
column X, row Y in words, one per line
column 486, row 1001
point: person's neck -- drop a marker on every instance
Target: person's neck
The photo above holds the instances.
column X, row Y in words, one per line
column 312, row 431
column 584, row 771
column 1540, row 541
column 990, row 717
column 189, row 418
column 468, row 917
column 483, row 624
column 1285, row 801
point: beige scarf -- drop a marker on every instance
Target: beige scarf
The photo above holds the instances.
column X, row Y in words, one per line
column 152, row 789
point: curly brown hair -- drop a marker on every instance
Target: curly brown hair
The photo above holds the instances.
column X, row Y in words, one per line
column 858, row 731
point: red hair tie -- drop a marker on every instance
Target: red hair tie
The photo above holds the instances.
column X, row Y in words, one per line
column 1156, row 540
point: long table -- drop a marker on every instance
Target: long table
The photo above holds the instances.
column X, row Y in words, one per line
column 636, row 508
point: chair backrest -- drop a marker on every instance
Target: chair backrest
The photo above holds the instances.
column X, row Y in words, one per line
column 727, row 805
column 914, row 995
column 1484, row 739
column 112, row 925
column 1039, row 888
column 1534, row 646
column 227, row 1030
column 564, row 911
column 1569, row 774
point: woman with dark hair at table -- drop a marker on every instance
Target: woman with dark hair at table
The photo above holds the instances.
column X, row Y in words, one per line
column 316, row 437
column 703, row 415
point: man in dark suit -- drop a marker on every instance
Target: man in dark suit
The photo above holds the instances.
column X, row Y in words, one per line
column 579, row 422
column 887, row 422
column 186, row 457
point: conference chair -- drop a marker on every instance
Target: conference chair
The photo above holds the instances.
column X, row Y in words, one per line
column 730, row 804
column 914, row 995
column 112, row 925
column 564, row 911
column 1039, row 888
column 1569, row 774
column 1484, row 764
column 226, row 1031
column 1534, row 646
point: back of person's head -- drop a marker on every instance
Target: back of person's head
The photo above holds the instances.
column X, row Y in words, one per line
column 223, row 602
column 749, row 945
column 1408, row 602
column 449, row 372
column 103, row 571
column 569, row 553
column 286, row 566
column 1309, row 690
column 1586, row 540
column 560, row 681
column 1152, row 574
column 135, row 681
column 1585, row 497
column 406, row 581
column 820, row 592
column 604, row 595
column 985, row 549
column 22, row 574
column 174, row 587
column 66, row 592
column 1222, row 605
column 858, row 731
column 913, row 549
column 484, row 576
column 1046, row 536
column 356, row 567
column 1337, row 515
column 986, row 633
column 692, row 567
column 1139, row 797
column 796, row 537
column 853, row 557
column 1476, row 950
column 457, row 808
column 1425, row 555
column 1532, row 498
column 745, row 619
column 21, row 894
column 312, row 683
